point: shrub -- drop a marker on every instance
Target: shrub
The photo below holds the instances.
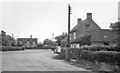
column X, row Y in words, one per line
column 100, row 47
column 48, row 47
column 109, row 57
column 11, row 48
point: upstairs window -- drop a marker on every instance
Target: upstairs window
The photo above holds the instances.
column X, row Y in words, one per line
column 74, row 35
column 105, row 36
column 33, row 42
column 27, row 42
column 20, row 42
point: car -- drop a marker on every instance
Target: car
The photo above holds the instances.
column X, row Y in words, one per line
column 57, row 50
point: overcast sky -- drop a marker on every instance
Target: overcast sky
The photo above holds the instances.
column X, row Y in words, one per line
column 42, row 18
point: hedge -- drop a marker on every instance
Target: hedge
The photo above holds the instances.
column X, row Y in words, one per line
column 108, row 57
column 99, row 48
column 11, row 48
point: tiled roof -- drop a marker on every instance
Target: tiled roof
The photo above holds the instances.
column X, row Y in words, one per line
column 27, row 39
column 104, row 35
column 81, row 26
column 84, row 39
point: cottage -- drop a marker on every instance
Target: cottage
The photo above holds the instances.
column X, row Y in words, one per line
column 28, row 42
column 87, row 32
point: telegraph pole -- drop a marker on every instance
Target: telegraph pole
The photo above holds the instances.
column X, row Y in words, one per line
column 69, row 12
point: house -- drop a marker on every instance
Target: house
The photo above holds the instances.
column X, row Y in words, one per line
column 28, row 42
column 87, row 32
column 103, row 37
column 6, row 40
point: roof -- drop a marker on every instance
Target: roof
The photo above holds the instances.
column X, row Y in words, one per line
column 27, row 39
column 81, row 26
column 103, row 35
column 84, row 39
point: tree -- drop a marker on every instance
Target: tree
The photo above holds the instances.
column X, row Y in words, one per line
column 55, row 44
column 60, row 38
column 40, row 44
column 47, row 42
column 5, row 41
column 116, row 28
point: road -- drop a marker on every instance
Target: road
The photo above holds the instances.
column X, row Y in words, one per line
column 34, row 60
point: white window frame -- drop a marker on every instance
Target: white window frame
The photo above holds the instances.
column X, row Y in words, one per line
column 74, row 35
column 28, row 42
column 20, row 42
column 33, row 42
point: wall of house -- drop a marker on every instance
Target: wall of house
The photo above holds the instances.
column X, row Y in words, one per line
column 72, row 35
column 75, row 45
column 27, row 42
column 96, row 43
column 100, row 43
column 85, row 26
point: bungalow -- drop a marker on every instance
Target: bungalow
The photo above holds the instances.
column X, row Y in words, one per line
column 87, row 32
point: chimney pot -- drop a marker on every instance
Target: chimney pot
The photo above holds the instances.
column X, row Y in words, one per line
column 79, row 20
column 3, row 33
column 89, row 15
column 30, row 36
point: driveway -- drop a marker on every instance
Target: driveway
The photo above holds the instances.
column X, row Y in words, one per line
column 34, row 60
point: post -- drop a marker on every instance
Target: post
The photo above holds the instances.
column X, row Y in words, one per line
column 118, row 33
column 69, row 12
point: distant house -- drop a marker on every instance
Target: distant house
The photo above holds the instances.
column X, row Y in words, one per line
column 28, row 42
column 6, row 40
column 87, row 32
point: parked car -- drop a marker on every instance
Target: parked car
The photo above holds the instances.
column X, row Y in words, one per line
column 57, row 50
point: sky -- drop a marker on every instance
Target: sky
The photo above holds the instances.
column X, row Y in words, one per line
column 42, row 18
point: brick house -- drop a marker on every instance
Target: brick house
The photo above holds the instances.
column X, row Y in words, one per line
column 6, row 40
column 28, row 42
column 87, row 32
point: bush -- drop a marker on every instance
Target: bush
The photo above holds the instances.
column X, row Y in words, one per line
column 100, row 47
column 10, row 48
column 109, row 57
column 48, row 47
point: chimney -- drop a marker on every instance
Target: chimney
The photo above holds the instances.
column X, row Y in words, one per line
column 3, row 33
column 89, row 15
column 30, row 36
column 79, row 20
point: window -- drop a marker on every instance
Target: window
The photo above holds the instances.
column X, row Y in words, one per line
column 20, row 42
column 106, row 43
column 87, row 27
column 27, row 42
column 74, row 35
column 105, row 36
column 33, row 42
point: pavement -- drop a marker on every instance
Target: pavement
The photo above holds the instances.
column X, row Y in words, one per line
column 34, row 60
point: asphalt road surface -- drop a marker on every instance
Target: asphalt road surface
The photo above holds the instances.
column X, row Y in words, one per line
column 34, row 60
